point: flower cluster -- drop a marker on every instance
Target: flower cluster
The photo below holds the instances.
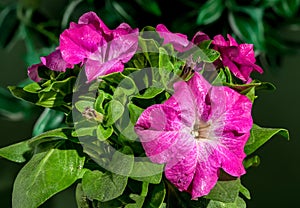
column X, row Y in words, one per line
column 197, row 127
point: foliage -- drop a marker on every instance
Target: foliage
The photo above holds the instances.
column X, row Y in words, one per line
column 56, row 158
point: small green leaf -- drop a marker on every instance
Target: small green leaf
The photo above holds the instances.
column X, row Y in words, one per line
column 114, row 111
column 260, row 135
column 251, row 162
column 32, row 87
column 15, row 152
column 245, row 192
column 225, row 191
column 139, row 199
column 238, row 203
column 156, row 196
column 46, row 174
column 104, row 133
column 210, row 11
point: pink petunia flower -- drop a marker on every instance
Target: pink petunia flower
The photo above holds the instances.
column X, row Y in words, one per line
column 92, row 43
column 239, row 58
column 199, row 130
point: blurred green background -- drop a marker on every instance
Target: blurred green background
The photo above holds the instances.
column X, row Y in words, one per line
column 30, row 28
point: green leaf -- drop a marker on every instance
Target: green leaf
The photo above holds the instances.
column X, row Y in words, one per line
column 48, row 120
column 15, row 152
column 139, row 199
column 247, row 24
column 13, row 108
column 104, row 133
column 147, row 172
column 46, row 174
column 260, row 135
column 68, row 12
column 103, row 186
column 109, row 185
column 238, row 203
column 81, row 199
column 8, row 25
column 156, row 196
column 20, row 93
column 287, row 8
column 134, row 112
column 32, row 87
column 251, row 162
column 114, row 111
column 225, row 191
column 245, row 192
column 56, row 134
column 150, row 6
column 210, row 11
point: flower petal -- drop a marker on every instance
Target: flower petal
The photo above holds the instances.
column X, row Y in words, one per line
column 55, row 62
column 77, row 44
column 206, row 173
column 178, row 40
column 32, row 72
column 111, row 56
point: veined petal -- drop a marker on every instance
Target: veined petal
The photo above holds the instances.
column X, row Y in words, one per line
column 111, row 56
column 55, row 62
column 178, row 40
column 77, row 44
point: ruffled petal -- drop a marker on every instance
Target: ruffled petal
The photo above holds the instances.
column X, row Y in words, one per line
column 179, row 41
column 111, row 57
column 55, row 62
column 77, row 44
column 32, row 72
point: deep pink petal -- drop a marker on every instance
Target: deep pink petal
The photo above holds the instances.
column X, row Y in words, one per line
column 232, row 41
column 91, row 18
column 179, row 41
column 77, row 44
column 55, row 62
column 32, row 72
column 200, row 88
column 111, row 57
column 185, row 107
column 219, row 40
column 200, row 37
column 180, row 170
column 207, row 171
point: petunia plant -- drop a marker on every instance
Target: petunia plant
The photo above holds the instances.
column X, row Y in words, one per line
column 146, row 118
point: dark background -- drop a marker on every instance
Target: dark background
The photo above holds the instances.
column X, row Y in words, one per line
column 272, row 184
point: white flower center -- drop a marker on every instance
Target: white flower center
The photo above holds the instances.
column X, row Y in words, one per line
column 201, row 130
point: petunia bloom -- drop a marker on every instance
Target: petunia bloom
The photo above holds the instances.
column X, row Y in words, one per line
column 239, row 58
column 198, row 131
column 92, row 43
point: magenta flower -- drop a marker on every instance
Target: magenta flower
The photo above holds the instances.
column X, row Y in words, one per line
column 53, row 61
column 196, row 132
column 239, row 58
column 180, row 41
column 92, row 43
